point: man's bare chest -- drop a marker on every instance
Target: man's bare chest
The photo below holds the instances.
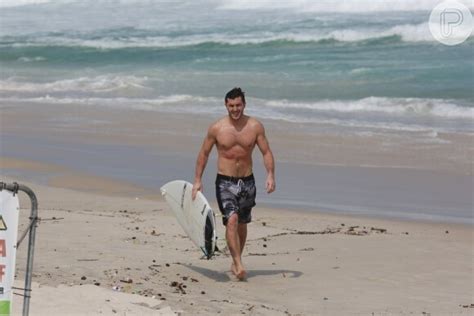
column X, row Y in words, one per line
column 229, row 138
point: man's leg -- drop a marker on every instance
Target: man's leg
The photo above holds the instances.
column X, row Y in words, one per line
column 233, row 242
column 242, row 230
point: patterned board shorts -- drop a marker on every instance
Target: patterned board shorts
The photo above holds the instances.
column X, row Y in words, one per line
column 236, row 195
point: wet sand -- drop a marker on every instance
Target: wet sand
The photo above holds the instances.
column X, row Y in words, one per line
column 389, row 174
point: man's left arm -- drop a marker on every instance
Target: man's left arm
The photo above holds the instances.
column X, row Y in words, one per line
column 268, row 159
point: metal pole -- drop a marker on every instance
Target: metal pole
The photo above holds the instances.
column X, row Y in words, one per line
column 15, row 187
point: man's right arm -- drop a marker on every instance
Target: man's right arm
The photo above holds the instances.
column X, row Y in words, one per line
column 203, row 156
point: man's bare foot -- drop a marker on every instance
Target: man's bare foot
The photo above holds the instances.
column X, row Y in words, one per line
column 239, row 274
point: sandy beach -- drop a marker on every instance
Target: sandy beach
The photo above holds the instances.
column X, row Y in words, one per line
column 128, row 256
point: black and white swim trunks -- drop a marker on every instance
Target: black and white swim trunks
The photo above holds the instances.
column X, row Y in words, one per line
column 236, row 195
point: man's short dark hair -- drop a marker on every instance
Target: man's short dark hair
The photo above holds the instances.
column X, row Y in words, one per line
column 234, row 94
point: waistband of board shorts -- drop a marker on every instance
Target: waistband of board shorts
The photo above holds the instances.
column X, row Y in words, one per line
column 234, row 179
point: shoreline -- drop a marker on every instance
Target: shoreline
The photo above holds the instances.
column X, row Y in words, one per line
column 59, row 176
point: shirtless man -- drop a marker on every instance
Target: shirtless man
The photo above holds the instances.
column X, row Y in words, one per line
column 235, row 137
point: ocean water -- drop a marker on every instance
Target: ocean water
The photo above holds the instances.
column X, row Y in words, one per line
column 355, row 65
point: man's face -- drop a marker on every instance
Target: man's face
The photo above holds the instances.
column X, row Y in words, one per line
column 235, row 107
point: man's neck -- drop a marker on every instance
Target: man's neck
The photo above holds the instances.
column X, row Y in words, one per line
column 239, row 123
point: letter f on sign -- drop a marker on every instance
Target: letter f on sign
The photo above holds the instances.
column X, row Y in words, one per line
column 449, row 19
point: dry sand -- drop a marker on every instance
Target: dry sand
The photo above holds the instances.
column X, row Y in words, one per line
column 99, row 254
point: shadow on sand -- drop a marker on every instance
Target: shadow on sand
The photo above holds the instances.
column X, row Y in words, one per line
column 219, row 276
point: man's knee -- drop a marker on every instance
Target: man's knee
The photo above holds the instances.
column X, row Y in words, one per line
column 233, row 221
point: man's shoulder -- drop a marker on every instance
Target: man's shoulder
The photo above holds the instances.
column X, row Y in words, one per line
column 254, row 123
column 216, row 125
column 219, row 122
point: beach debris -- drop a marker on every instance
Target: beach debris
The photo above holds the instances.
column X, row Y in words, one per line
column 467, row 306
column 167, row 264
column 264, row 224
column 88, row 259
column 194, row 280
column 51, row 219
column 352, row 231
column 116, row 288
column 325, row 298
column 97, row 283
column 223, row 301
column 447, row 232
column 264, row 245
column 179, row 287
column 307, row 249
column 378, row 230
column 154, row 269
column 83, row 278
column 127, row 280
column 257, row 254
column 326, row 231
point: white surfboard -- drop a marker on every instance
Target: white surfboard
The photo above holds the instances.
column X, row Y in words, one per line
column 196, row 217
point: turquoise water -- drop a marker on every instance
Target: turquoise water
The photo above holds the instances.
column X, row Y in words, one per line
column 364, row 66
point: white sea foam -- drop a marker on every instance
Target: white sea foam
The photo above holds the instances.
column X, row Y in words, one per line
column 180, row 103
column 396, row 108
column 103, row 83
column 31, row 59
column 364, row 6
column 19, row 3
column 298, row 5
column 389, row 106
column 407, row 32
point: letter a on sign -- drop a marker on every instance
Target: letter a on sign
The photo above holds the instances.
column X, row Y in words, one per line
column 9, row 213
